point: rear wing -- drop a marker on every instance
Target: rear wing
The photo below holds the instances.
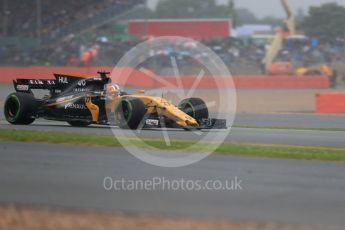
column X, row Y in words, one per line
column 57, row 85
column 25, row 85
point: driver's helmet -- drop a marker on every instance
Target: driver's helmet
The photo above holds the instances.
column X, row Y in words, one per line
column 113, row 89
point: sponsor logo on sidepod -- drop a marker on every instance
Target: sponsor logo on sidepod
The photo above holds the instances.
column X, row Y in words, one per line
column 75, row 106
column 23, row 87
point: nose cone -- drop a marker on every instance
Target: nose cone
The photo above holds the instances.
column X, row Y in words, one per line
column 192, row 122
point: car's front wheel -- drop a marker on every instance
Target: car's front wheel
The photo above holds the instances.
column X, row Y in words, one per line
column 129, row 113
column 194, row 107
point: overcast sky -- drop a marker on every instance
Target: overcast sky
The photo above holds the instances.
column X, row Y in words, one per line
column 269, row 7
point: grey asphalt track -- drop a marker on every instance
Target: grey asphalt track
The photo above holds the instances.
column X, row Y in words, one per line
column 293, row 120
column 245, row 135
column 282, row 191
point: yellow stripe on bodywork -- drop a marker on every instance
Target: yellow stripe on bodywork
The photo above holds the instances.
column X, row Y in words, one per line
column 63, row 102
column 94, row 109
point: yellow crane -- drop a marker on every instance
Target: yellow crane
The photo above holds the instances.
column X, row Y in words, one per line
column 277, row 43
column 286, row 67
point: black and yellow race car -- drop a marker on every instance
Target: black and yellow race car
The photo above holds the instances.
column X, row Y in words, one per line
column 82, row 101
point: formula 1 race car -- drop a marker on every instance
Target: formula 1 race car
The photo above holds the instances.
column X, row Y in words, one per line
column 82, row 101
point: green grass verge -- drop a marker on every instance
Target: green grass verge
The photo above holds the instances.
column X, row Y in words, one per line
column 227, row 148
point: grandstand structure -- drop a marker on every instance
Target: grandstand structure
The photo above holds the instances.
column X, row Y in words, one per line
column 48, row 21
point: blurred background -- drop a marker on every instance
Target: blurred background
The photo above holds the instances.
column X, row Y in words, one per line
column 268, row 45
column 83, row 33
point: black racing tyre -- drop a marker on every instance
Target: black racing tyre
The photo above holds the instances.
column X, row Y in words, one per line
column 79, row 123
column 130, row 112
column 20, row 108
column 194, row 107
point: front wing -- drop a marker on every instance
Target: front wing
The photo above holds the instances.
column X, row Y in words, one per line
column 206, row 123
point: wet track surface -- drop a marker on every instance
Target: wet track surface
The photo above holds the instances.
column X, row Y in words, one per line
column 283, row 191
column 317, row 121
column 247, row 135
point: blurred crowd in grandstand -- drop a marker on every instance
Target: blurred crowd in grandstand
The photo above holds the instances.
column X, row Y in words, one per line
column 104, row 50
column 20, row 19
column 234, row 52
column 312, row 51
column 22, row 16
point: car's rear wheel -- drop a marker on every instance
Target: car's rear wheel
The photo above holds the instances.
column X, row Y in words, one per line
column 20, row 108
column 79, row 123
column 194, row 107
column 129, row 113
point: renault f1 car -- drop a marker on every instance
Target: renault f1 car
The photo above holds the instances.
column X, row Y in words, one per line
column 82, row 101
